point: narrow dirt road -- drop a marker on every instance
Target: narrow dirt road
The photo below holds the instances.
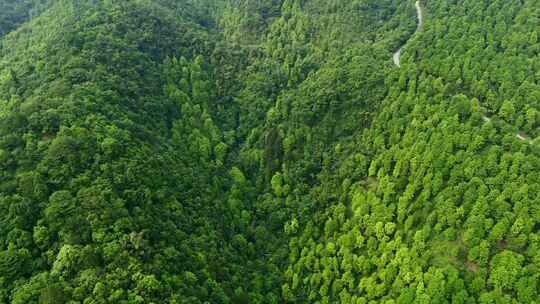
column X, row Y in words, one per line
column 397, row 61
column 519, row 136
column 419, row 14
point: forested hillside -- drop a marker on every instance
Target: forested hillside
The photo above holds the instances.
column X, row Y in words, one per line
column 15, row 12
column 235, row 151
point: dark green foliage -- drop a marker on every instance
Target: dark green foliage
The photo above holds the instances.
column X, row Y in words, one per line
column 269, row 152
column 15, row 12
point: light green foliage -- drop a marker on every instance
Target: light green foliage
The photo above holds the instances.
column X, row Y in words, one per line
column 238, row 151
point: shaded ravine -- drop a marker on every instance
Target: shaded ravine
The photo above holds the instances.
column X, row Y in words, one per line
column 419, row 13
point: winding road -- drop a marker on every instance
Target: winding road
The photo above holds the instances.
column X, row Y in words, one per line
column 420, row 16
column 397, row 61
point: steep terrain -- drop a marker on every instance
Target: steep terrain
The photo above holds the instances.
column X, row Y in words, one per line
column 14, row 13
column 240, row 151
column 420, row 16
column 109, row 160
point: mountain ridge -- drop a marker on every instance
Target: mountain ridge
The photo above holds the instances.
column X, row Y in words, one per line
column 269, row 152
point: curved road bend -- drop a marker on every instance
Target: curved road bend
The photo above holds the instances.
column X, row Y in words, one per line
column 397, row 61
column 419, row 14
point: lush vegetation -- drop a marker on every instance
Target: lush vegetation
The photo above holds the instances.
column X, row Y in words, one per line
column 240, row 151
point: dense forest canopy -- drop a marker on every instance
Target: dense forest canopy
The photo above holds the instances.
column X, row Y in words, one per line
column 236, row 151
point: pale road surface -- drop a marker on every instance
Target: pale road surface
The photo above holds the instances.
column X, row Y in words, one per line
column 419, row 13
column 518, row 136
column 397, row 60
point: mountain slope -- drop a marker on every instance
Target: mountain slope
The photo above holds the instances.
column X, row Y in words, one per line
column 14, row 13
column 269, row 152
column 101, row 197
column 433, row 204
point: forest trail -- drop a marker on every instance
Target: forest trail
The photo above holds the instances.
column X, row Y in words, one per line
column 524, row 137
column 397, row 62
column 419, row 14
column 519, row 136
